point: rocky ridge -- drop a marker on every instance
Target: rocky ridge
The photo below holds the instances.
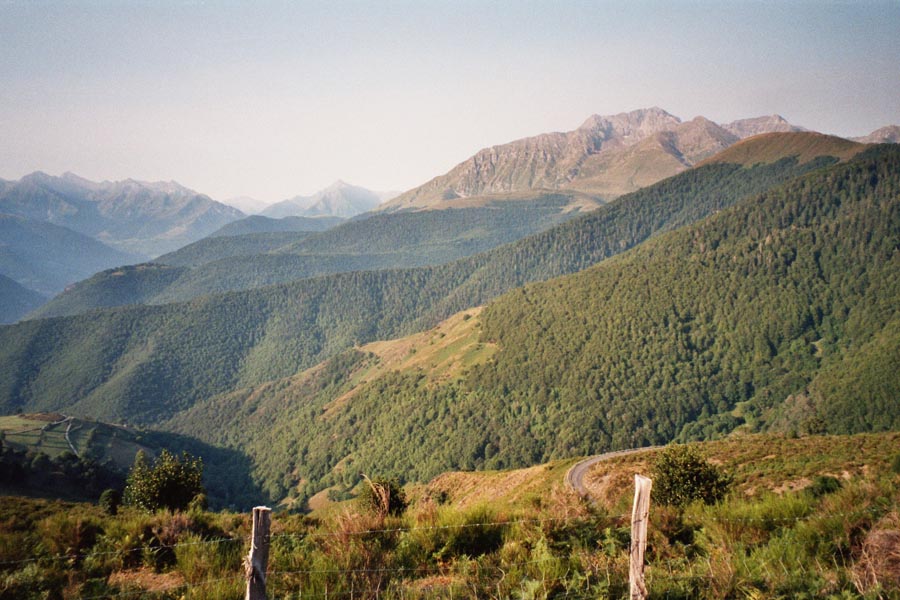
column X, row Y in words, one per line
column 606, row 156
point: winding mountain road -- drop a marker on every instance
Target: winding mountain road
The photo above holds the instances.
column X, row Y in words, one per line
column 575, row 474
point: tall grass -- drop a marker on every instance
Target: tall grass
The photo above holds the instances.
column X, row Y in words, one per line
column 838, row 542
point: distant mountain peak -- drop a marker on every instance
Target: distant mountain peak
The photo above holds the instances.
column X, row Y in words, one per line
column 37, row 176
column 70, row 176
column 889, row 134
column 607, row 155
column 246, row 204
column 340, row 199
column 643, row 122
column 744, row 128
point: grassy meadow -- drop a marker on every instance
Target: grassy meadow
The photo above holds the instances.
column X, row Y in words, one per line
column 799, row 522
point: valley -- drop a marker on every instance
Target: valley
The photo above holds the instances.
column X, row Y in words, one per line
column 629, row 348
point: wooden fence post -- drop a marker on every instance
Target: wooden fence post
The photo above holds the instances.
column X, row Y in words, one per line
column 639, row 517
column 257, row 561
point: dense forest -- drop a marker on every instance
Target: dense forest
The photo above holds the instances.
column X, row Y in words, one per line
column 263, row 224
column 779, row 313
column 411, row 239
column 144, row 363
column 220, row 247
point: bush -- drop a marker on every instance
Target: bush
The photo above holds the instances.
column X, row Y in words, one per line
column 471, row 533
column 110, row 500
column 823, row 485
column 681, row 475
column 383, row 497
column 169, row 482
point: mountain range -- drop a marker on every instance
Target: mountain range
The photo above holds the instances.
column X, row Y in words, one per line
column 138, row 363
column 140, row 218
column 753, row 289
column 380, row 241
column 607, row 156
column 56, row 231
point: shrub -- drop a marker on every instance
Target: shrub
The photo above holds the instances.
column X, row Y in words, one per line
column 169, row 482
column 71, row 536
column 823, row 485
column 110, row 500
column 471, row 533
column 681, row 475
column 383, row 497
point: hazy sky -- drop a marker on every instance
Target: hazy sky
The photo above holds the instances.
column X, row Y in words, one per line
column 272, row 100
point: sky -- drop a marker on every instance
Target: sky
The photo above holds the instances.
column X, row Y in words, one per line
column 275, row 99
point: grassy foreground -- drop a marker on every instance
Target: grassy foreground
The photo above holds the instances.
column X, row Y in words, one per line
column 531, row 539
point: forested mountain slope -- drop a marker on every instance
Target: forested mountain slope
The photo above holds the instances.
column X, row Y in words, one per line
column 144, row 363
column 405, row 240
column 223, row 247
column 779, row 313
column 262, row 224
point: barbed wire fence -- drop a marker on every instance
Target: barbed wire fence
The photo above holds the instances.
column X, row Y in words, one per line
column 75, row 557
column 657, row 571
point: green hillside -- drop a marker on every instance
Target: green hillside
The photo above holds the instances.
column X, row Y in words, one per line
column 144, row 363
column 761, row 464
column 61, row 456
column 261, row 224
column 113, row 287
column 221, row 247
column 403, row 240
column 814, row 517
column 779, row 313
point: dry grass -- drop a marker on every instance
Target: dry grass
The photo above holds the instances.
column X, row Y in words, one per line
column 147, row 580
column 771, row 147
column 442, row 354
column 879, row 561
column 760, row 463
column 504, row 489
